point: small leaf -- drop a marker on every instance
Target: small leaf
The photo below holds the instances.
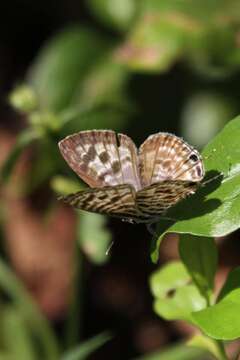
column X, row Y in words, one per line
column 82, row 351
column 199, row 255
column 118, row 14
column 175, row 298
column 221, row 321
column 171, row 276
column 94, row 238
column 23, row 99
column 181, row 304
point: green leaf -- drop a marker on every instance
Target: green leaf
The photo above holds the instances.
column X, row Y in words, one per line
column 199, row 255
column 83, row 350
column 177, row 352
column 118, row 14
column 171, row 276
column 232, row 283
column 181, row 304
column 221, row 321
column 215, row 208
column 24, row 139
column 39, row 325
column 175, row 297
column 17, row 338
column 94, row 238
column 63, row 63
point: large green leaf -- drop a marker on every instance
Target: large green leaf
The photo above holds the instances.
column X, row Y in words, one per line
column 215, row 208
column 63, row 63
column 200, row 258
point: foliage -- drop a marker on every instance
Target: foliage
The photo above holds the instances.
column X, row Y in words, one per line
column 82, row 79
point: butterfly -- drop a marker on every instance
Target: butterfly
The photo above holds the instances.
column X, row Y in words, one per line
column 136, row 185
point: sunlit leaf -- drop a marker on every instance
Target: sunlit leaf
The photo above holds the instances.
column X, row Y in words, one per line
column 175, row 297
column 221, row 321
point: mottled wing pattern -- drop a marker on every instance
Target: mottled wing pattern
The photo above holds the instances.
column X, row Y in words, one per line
column 164, row 156
column 155, row 199
column 116, row 201
column 99, row 160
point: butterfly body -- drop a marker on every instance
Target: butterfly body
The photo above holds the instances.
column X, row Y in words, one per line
column 138, row 186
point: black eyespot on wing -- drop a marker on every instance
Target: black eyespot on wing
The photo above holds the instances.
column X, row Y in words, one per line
column 193, row 157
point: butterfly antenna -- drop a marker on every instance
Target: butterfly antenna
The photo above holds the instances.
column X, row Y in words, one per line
column 109, row 248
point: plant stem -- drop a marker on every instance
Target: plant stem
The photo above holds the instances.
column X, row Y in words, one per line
column 221, row 350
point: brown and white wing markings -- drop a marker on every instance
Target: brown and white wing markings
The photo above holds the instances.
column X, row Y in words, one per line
column 116, row 201
column 165, row 156
column 155, row 199
column 98, row 159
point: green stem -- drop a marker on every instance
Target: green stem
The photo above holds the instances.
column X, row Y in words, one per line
column 221, row 350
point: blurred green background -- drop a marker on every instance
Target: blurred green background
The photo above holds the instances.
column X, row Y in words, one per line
column 135, row 66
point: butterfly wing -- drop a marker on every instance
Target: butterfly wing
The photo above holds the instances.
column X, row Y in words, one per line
column 102, row 158
column 116, row 201
column 155, row 199
column 165, row 156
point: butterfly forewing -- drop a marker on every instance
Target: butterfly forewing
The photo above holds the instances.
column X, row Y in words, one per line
column 98, row 160
column 166, row 157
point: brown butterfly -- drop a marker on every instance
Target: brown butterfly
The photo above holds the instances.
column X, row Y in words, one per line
column 135, row 185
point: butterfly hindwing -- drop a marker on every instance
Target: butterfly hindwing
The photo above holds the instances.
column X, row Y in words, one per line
column 155, row 199
column 165, row 156
column 110, row 200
